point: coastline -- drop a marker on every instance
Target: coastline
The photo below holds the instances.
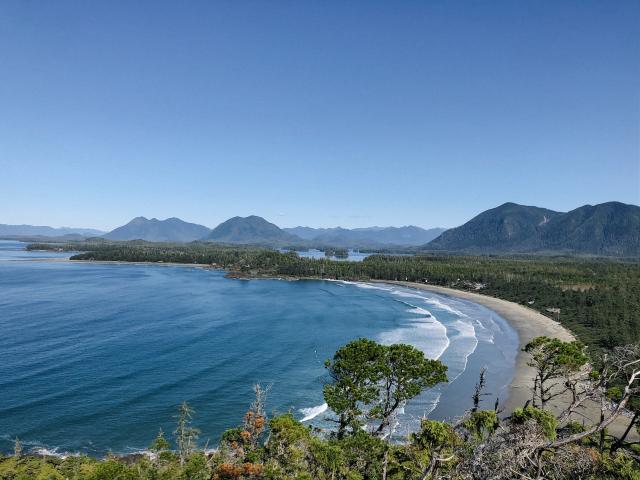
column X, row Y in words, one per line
column 528, row 324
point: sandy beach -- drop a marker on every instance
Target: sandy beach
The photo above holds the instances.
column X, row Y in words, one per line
column 528, row 324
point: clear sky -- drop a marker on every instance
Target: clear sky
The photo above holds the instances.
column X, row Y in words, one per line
column 319, row 113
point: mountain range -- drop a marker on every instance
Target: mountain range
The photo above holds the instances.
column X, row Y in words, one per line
column 611, row 228
column 44, row 231
column 254, row 230
column 367, row 237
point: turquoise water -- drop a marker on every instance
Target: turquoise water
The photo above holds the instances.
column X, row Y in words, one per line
column 96, row 356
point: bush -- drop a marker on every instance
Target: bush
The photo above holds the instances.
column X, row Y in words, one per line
column 544, row 419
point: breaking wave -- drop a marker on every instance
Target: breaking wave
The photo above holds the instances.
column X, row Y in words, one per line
column 312, row 412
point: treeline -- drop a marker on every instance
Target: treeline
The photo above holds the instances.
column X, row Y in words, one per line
column 597, row 299
column 370, row 384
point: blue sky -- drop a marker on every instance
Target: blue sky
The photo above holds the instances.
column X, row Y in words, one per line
column 317, row 113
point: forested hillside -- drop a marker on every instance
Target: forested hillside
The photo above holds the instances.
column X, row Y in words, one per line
column 252, row 230
column 611, row 228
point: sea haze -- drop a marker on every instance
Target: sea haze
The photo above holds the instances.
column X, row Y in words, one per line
column 96, row 357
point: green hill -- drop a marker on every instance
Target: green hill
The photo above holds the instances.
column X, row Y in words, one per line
column 252, row 230
column 611, row 228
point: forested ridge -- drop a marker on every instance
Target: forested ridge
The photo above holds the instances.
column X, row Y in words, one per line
column 610, row 228
column 598, row 299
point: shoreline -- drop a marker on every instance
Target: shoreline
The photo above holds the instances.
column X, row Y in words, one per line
column 527, row 323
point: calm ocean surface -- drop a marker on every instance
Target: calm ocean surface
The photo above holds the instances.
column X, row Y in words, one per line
column 96, row 357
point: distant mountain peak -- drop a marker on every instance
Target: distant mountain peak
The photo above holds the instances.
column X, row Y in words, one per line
column 251, row 230
column 153, row 230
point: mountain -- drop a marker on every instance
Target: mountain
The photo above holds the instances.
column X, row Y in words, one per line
column 252, row 230
column 611, row 228
column 509, row 227
column 33, row 230
column 369, row 237
column 154, row 230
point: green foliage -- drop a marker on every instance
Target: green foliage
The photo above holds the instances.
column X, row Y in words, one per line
column 160, row 444
column 575, row 427
column 405, row 373
column 617, row 466
column 544, row 419
column 363, row 453
column 556, row 354
column 553, row 359
column 28, row 468
column 614, row 393
column 482, row 423
column 113, row 470
column 356, row 371
column 293, row 452
column 371, row 381
column 288, row 448
column 232, row 435
column 196, row 467
column 434, row 435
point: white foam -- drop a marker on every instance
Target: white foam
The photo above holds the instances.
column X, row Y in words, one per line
column 400, row 292
column 52, row 452
column 426, row 334
column 432, row 405
column 147, row 453
column 465, row 329
column 443, row 306
column 428, row 299
column 313, row 412
column 466, row 342
column 362, row 285
column 420, row 311
column 488, row 328
column 405, row 294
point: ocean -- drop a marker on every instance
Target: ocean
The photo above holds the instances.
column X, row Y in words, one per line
column 97, row 357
